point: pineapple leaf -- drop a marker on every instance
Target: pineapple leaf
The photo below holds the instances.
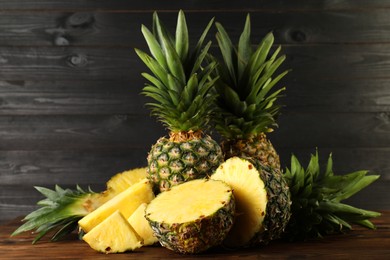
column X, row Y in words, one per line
column 154, row 66
column 318, row 197
column 154, row 47
column 182, row 36
column 244, row 47
column 227, row 50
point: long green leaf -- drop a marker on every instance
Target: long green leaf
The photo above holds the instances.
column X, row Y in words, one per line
column 182, row 41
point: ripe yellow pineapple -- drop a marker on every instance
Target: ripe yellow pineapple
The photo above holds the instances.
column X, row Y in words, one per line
column 181, row 90
column 113, row 235
column 246, row 101
column 126, row 202
column 193, row 216
column 138, row 221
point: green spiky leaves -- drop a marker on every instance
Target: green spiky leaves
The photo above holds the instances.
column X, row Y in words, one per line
column 59, row 211
column 246, row 98
column 178, row 84
column 316, row 200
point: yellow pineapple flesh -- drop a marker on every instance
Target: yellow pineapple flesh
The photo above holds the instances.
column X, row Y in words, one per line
column 121, row 181
column 126, row 202
column 251, row 197
column 138, row 221
column 113, row 235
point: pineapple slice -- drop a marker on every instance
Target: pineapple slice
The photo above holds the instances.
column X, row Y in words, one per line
column 113, row 235
column 138, row 221
column 126, row 202
column 262, row 199
column 121, row 181
column 193, row 216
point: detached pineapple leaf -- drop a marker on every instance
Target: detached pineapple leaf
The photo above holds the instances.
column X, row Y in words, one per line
column 316, row 200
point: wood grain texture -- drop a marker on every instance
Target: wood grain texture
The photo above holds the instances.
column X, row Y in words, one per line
column 71, row 110
column 123, row 28
column 195, row 5
column 358, row 244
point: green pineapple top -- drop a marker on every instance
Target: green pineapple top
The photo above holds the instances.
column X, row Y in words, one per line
column 246, row 101
column 316, row 197
column 178, row 84
column 60, row 210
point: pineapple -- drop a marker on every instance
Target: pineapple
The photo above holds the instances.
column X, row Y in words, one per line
column 262, row 201
column 316, row 200
column 63, row 208
column 113, row 235
column 121, row 181
column 192, row 217
column 141, row 225
column 126, row 202
column 183, row 102
column 246, row 108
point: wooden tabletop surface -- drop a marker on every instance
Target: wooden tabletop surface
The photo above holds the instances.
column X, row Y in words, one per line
column 357, row 244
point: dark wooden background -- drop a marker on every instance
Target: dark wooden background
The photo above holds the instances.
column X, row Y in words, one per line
column 71, row 112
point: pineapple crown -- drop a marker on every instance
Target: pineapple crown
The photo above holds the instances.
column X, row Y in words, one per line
column 246, row 103
column 179, row 85
column 59, row 210
column 316, row 200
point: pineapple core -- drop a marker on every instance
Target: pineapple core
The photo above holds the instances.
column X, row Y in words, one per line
column 187, row 202
column 113, row 235
column 251, row 199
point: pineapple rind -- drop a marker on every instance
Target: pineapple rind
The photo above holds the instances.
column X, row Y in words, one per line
column 271, row 197
column 201, row 223
column 126, row 202
column 257, row 146
column 113, row 235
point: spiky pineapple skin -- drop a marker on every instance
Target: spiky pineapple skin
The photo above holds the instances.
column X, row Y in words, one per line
column 259, row 147
column 278, row 210
column 173, row 162
column 198, row 236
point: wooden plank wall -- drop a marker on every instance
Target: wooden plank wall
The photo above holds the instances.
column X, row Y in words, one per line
column 71, row 112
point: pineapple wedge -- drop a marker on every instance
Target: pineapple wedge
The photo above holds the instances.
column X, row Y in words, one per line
column 138, row 221
column 113, row 235
column 126, row 202
column 121, row 181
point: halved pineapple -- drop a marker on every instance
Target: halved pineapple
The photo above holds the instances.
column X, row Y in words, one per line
column 113, row 235
column 126, row 202
column 138, row 221
column 193, row 216
column 262, row 199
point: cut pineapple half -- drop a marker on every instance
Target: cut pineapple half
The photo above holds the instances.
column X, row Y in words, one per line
column 121, row 181
column 126, row 202
column 251, row 199
column 138, row 221
column 193, row 216
column 113, row 235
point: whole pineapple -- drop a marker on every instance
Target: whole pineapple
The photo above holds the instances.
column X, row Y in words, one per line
column 316, row 197
column 245, row 102
column 180, row 87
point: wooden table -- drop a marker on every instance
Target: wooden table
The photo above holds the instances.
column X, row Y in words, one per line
column 358, row 244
